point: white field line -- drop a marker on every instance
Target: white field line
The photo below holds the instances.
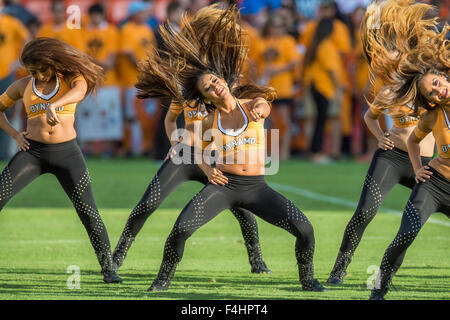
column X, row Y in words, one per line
column 193, row 241
column 340, row 201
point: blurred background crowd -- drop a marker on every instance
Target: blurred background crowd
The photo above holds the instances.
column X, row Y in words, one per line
column 309, row 50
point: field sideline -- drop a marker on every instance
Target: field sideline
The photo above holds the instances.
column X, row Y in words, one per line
column 41, row 236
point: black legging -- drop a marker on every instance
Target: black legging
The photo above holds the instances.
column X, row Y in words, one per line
column 251, row 193
column 66, row 162
column 388, row 168
column 322, row 104
column 426, row 198
column 166, row 180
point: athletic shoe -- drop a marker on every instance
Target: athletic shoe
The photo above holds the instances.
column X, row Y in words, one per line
column 339, row 270
column 111, row 277
column 159, row 285
column 313, row 285
column 260, row 268
column 377, row 294
column 385, row 282
column 165, row 275
column 336, row 280
column 120, row 252
column 255, row 258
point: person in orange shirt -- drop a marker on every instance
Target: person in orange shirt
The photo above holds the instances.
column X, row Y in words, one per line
column 99, row 119
column 253, row 40
column 322, row 73
column 58, row 28
column 340, row 107
column 362, row 88
column 237, row 122
column 278, row 59
column 136, row 38
column 13, row 36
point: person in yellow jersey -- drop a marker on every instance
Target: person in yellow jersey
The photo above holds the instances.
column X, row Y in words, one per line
column 180, row 166
column 414, row 74
column 13, row 36
column 322, row 72
column 339, row 110
column 58, row 28
column 390, row 166
column 236, row 127
column 136, row 38
column 254, row 42
column 99, row 117
column 365, row 142
column 277, row 61
column 61, row 76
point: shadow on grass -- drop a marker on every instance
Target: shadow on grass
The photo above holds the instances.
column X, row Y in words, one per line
column 44, row 284
column 37, row 284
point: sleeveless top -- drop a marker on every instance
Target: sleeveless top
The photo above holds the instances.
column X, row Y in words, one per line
column 36, row 102
column 249, row 137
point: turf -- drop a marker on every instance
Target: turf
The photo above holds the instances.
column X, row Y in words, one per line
column 41, row 237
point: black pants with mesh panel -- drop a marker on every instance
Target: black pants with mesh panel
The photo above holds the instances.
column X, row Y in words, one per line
column 388, row 168
column 426, row 198
column 169, row 176
column 253, row 194
column 66, row 162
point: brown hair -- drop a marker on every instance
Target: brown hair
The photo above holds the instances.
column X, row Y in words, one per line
column 402, row 43
column 211, row 43
column 323, row 31
column 63, row 58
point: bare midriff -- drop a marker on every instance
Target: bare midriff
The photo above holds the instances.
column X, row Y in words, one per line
column 441, row 165
column 39, row 130
column 400, row 136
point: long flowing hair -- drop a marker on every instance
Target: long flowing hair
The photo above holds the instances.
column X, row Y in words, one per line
column 63, row 58
column 402, row 43
column 211, row 42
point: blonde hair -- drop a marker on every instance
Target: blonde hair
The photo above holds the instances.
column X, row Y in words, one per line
column 402, row 43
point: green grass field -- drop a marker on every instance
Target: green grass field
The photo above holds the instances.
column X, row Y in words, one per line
column 41, row 236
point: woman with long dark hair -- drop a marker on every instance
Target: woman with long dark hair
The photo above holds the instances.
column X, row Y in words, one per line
column 278, row 59
column 207, row 68
column 174, row 172
column 322, row 71
column 61, row 76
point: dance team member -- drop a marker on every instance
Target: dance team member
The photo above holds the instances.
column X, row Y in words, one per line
column 61, row 76
column 174, row 173
column 170, row 176
column 390, row 164
column 207, row 69
column 416, row 75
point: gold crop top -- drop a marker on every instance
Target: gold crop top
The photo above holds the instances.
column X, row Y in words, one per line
column 249, row 137
column 441, row 133
column 36, row 102
column 191, row 113
column 402, row 116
